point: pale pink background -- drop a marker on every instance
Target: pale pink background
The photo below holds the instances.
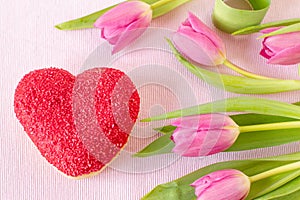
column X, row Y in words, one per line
column 29, row 41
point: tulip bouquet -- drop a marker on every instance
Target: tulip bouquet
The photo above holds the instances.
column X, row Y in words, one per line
column 203, row 130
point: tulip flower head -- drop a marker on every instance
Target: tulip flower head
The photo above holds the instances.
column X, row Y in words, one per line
column 281, row 49
column 124, row 23
column 199, row 43
column 222, row 185
column 204, row 135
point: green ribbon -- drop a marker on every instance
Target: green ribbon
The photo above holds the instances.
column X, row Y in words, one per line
column 230, row 19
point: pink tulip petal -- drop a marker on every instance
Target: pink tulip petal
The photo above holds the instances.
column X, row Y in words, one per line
column 191, row 50
column 111, row 35
column 130, row 16
column 281, row 49
column 199, row 43
column 204, row 122
column 269, row 30
column 225, row 141
column 183, row 139
column 288, row 56
column 228, row 188
column 197, row 47
column 119, row 17
column 265, row 52
column 200, row 27
column 194, row 149
column 222, row 185
column 210, row 140
column 215, row 176
column 280, row 42
column 132, row 32
column 191, row 122
column 204, row 135
column 190, row 143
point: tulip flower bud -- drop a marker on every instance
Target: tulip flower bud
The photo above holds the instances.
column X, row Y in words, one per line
column 204, row 135
column 281, row 49
column 124, row 23
column 222, row 185
column 195, row 41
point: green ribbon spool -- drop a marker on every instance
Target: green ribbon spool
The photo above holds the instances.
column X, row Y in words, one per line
column 232, row 18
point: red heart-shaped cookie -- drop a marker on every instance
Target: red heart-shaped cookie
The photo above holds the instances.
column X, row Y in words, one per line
column 79, row 124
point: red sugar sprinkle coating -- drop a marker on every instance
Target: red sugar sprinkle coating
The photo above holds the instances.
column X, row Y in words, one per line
column 106, row 106
column 46, row 104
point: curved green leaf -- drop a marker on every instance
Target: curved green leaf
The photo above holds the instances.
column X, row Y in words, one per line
column 166, row 129
column 288, row 190
column 171, row 5
column 292, row 196
column 252, row 119
column 162, row 145
column 254, row 29
column 265, row 186
column 83, row 22
column 237, row 104
column 238, row 84
column 262, row 139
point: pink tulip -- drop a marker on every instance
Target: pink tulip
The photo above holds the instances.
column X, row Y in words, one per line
column 124, row 23
column 281, row 49
column 204, row 135
column 222, row 185
column 199, row 43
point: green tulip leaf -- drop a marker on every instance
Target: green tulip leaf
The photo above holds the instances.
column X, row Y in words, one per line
column 162, row 145
column 262, row 139
column 292, row 196
column 284, row 30
column 267, row 185
column 254, row 29
column 180, row 189
column 83, row 22
column 238, row 84
column 166, row 129
column 89, row 20
column 287, row 157
column 169, row 6
column 284, row 192
column 236, row 104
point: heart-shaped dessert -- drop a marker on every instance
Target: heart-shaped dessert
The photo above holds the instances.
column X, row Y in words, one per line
column 79, row 124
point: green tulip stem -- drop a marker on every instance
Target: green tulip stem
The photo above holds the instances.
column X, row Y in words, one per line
column 269, row 127
column 275, row 171
column 243, row 72
column 159, row 4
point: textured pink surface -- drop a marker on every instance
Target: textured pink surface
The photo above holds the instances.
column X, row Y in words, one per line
column 28, row 41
